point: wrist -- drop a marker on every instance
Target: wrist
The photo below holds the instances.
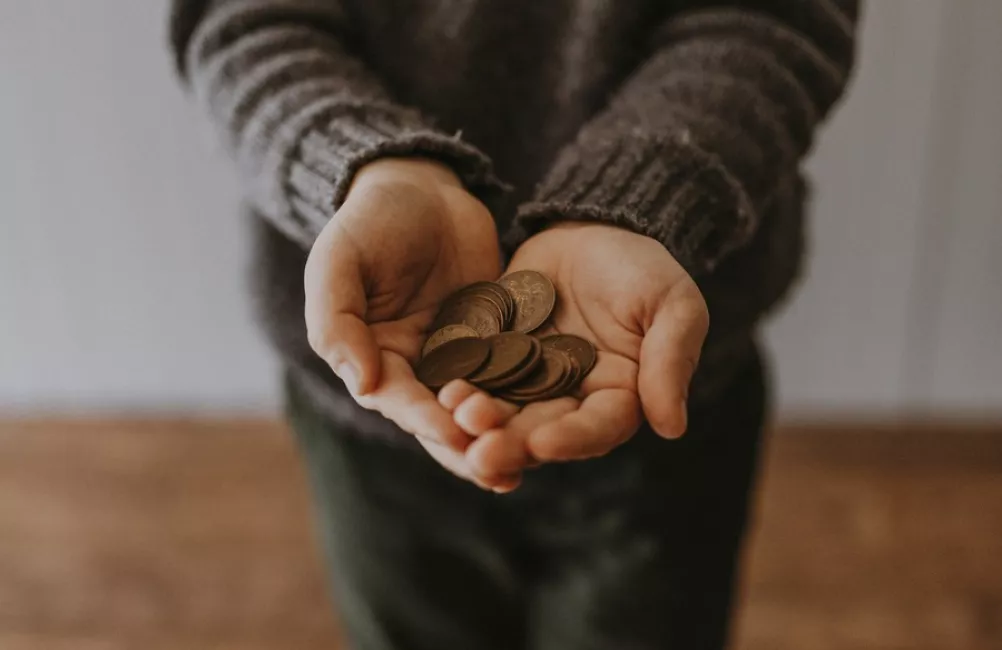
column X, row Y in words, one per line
column 423, row 172
column 570, row 226
column 589, row 238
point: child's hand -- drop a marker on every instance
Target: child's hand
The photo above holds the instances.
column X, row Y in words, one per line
column 629, row 296
column 407, row 236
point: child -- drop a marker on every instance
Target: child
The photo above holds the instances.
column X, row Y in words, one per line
column 645, row 155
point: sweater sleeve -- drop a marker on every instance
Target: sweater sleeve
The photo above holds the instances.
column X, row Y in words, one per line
column 298, row 111
column 697, row 141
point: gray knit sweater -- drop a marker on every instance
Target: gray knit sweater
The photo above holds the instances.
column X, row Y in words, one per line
column 684, row 120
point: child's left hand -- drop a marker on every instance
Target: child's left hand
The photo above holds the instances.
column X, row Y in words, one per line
column 624, row 292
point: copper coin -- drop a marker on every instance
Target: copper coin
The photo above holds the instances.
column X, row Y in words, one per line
column 581, row 349
column 534, row 297
column 484, row 294
column 473, row 314
column 507, row 301
column 455, row 359
column 567, row 370
column 492, row 289
column 528, row 366
column 509, row 350
column 497, row 292
column 448, row 333
column 567, row 382
column 492, row 301
column 549, row 374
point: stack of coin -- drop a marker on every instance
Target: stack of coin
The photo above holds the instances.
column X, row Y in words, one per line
column 483, row 334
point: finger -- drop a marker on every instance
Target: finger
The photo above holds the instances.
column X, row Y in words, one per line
column 454, row 393
column 335, row 311
column 605, row 420
column 457, row 464
column 480, row 412
column 668, row 358
column 351, row 351
column 449, row 459
column 474, row 410
column 610, row 371
column 504, row 450
column 535, row 415
column 497, row 454
column 507, row 484
column 400, row 397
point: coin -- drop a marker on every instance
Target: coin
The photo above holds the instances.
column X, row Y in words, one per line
column 448, row 333
column 567, row 382
column 455, row 359
column 494, row 303
column 528, row 366
column 549, row 374
column 581, row 349
column 472, row 313
column 534, row 297
column 509, row 350
column 483, row 294
column 505, row 360
column 498, row 292
column 481, row 288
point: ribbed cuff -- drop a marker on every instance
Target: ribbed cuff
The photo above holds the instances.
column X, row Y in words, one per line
column 329, row 155
column 668, row 189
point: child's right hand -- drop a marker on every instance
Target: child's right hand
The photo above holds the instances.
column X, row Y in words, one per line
column 407, row 236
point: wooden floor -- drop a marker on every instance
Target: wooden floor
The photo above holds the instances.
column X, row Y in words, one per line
column 194, row 535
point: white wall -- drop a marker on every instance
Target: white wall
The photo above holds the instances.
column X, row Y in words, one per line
column 121, row 256
column 901, row 311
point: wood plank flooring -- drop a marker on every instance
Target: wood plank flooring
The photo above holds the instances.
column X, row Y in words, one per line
column 194, row 535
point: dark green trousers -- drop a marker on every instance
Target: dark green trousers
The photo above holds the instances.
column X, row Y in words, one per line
column 636, row 550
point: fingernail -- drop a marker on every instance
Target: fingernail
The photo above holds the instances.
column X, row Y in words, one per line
column 349, row 376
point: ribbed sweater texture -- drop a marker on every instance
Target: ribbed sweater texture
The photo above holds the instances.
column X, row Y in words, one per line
column 685, row 120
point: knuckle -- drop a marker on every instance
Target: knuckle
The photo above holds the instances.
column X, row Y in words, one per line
column 550, row 448
column 316, row 267
column 483, row 467
column 701, row 319
column 630, row 425
column 455, row 439
column 369, row 404
column 692, row 310
column 691, row 364
column 315, row 340
column 319, row 340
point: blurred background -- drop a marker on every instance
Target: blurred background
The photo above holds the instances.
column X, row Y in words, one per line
column 137, row 403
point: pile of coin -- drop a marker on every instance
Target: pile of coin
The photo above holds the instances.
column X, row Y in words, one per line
column 483, row 334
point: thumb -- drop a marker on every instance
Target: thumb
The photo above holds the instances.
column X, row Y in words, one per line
column 336, row 304
column 668, row 358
